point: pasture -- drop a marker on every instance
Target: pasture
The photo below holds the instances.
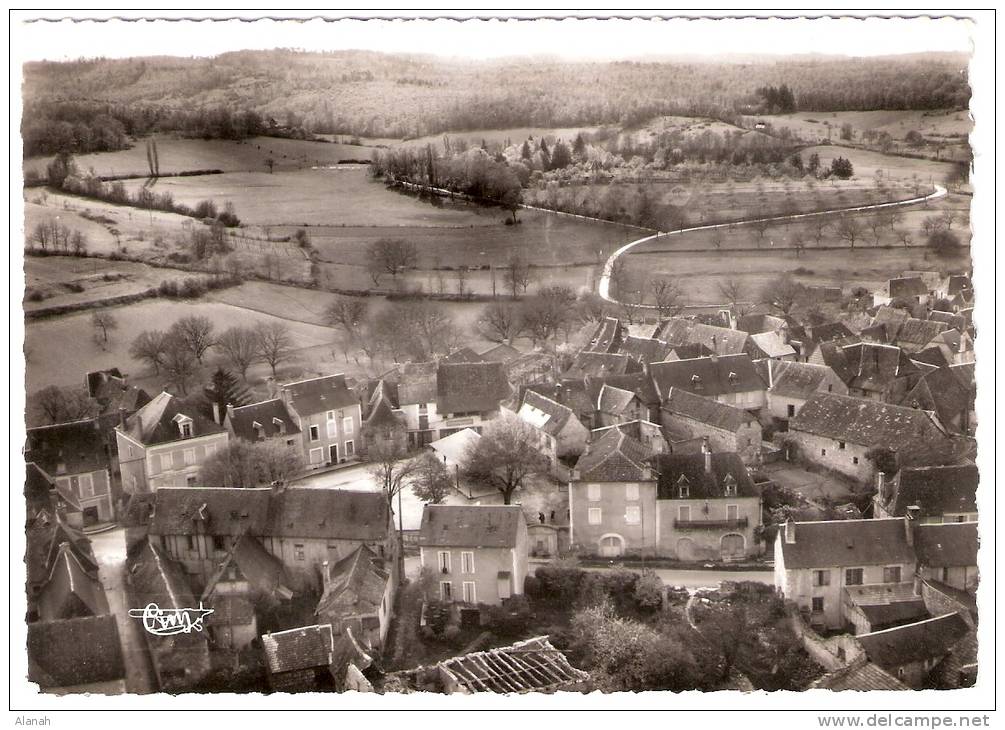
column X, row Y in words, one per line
column 178, row 154
column 819, row 126
column 493, row 137
column 867, row 162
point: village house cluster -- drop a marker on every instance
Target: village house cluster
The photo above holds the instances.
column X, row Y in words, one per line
column 839, row 454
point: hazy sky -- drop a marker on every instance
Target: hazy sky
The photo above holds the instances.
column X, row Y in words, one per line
column 570, row 38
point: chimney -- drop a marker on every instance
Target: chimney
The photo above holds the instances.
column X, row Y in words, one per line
column 913, row 512
column 881, row 484
column 230, row 413
column 715, row 345
column 790, row 532
column 706, row 449
column 278, row 486
column 771, row 373
column 325, row 576
column 909, row 520
column 122, row 418
column 216, row 413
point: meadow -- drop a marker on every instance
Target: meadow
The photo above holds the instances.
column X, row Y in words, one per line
column 810, row 126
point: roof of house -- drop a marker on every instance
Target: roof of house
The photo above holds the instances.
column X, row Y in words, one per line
column 467, row 387
column 317, row 395
column 874, row 367
column 871, row 423
column 953, row 544
column 756, row 323
column 940, row 391
column 772, row 344
column 43, row 494
column 838, row 543
column 862, row 676
column 708, row 376
column 720, row 340
column 601, row 364
column 614, row 457
column 924, row 640
column 412, row 382
column 230, row 609
column 639, row 383
column 381, row 409
column 937, row 490
column 155, row 423
column 607, row 336
column 463, row 354
column 113, row 393
column 356, row 584
column 270, row 418
column 67, row 448
column 798, row 379
column 688, row 351
column 544, row 413
column 829, row 331
column 500, row 353
column 677, row 470
column 487, row 526
column 613, row 400
column 263, row 571
column 533, row 665
column 931, row 356
column 951, row 319
column 906, row 287
column 155, row 577
column 262, row 512
column 686, row 404
column 886, row 604
column 75, row 652
column 955, row 283
column 305, row 647
column 571, row 393
column 919, row 331
column 966, row 373
column 73, row 587
column 645, row 349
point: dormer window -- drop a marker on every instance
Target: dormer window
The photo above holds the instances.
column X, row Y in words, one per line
column 729, row 483
column 259, row 430
column 732, row 377
column 184, row 425
column 280, row 425
column 696, row 382
column 683, row 487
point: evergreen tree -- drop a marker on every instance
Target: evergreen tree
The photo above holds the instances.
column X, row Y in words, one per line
column 225, row 389
column 560, row 156
column 525, row 151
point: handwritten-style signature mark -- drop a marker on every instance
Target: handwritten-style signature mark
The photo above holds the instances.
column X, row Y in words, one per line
column 170, row 621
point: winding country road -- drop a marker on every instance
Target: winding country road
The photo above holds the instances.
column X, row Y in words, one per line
column 604, row 288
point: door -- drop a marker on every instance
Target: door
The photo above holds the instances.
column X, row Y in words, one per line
column 610, row 546
column 685, row 549
column 733, row 547
column 333, row 453
column 91, row 516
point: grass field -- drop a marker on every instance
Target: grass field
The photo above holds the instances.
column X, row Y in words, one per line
column 515, row 135
column 178, row 154
column 811, row 126
column 894, row 167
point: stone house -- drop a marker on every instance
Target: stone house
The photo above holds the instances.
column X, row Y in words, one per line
column 722, row 427
column 328, row 416
column 911, row 653
column 729, row 379
column 270, row 419
column 358, row 594
column 910, row 289
column 937, row 494
column 948, row 554
column 478, row 554
column 164, row 444
column 791, row 384
column 561, row 435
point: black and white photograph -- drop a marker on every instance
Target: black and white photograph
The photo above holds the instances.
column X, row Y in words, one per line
column 497, row 361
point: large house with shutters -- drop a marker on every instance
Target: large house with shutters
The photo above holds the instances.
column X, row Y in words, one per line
column 164, row 444
column 478, row 553
column 328, row 416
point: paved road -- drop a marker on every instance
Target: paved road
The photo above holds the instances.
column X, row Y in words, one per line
column 110, row 551
column 604, row 286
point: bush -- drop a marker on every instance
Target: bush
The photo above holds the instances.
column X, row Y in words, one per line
column 943, row 242
column 74, row 287
column 509, row 619
column 559, row 583
column 34, row 295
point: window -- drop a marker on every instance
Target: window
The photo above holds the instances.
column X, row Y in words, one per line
column 86, row 486
column 593, row 492
column 593, row 515
column 219, row 543
column 190, row 542
column 317, row 456
column 891, row 574
column 186, row 430
column 165, row 462
column 818, row 604
column 729, row 484
column 732, row 512
column 467, row 562
column 791, row 410
column 684, row 513
column 210, row 450
column 350, row 449
column 840, row 445
column 633, row 514
column 821, row 578
column 298, row 552
column 347, row 426
column 853, row 576
column 315, row 434
column 331, row 430
column 469, row 592
column 444, row 556
column 190, row 481
column 830, row 388
column 446, row 591
column 823, row 452
column 189, row 457
column 423, row 408
column 330, row 416
column 683, row 490
column 290, row 442
column 632, row 492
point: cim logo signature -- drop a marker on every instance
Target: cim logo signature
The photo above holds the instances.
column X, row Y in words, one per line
column 170, row 621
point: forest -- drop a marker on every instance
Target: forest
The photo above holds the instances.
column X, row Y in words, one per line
column 403, row 96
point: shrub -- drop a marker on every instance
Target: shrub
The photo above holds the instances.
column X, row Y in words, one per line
column 943, row 242
column 559, row 583
column 74, row 286
column 509, row 619
column 34, row 295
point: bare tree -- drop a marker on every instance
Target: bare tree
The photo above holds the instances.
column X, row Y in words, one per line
column 849, row 229
column 431, row 482
column 239, row 346
column 196, row 332
column 903, row 235
column 179, row 362
column 149, row 347
column 462, row 278
column 798, row 238
column 734, row 291
column 500, row 322
column 783, row 293
column 762, row 227
column 546, row 313
column 818, row 225
column 667, row 296
column 54, row 404
column 346, row 314
column 103, row 323
column 517, row 276
column 392, row 471
column 391, row 256
column 274, row 343
column 948, row 217
column 505, row 456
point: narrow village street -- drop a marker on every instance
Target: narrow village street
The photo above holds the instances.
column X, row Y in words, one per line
column 110, row 551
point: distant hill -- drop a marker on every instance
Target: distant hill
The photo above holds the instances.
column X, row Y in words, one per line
column 395, row 95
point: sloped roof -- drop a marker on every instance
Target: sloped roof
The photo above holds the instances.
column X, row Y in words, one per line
column 317, row 395
column 293, row 512
column 919, row 331
column 265, row 414
column 756, row 323
column 614, row 400
column 263, row 571
column 488, row 526
column 940, row 391
column 454, row 447
column 955, row 283
column 601, row 364
column 464, row 354
column 607, row 336
column 230, row 609
column 720, row 340
column 74, row 652
column 544, row 413
column 966, row 373
column 925, row 640
column 72, row 589
column 465, row 387
column 937, row 490
column 829, row 331
column 571, row 393
column 906, row 287
column 614, row 457
column 705, row 410
column 112, row 392
column 645, row 350
column 688, row 351
column 639, row 383
column 42, row 493
column 772, row 344
column 953, row 544
column 887, row 604
column 500, row 353
column 871, row 423
column 677, row 469
column 874, row 366
column 930, row 357
column 381, row 410
column 839, row 543
column 413, row 382
column 797, row 379
column 154, row 423
column 951, row 319
column 78, row 447
column 708, row 376
column 156, row 578
column 356, row 584
column 306, row 647
column 862, row 676
column 533, row 665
